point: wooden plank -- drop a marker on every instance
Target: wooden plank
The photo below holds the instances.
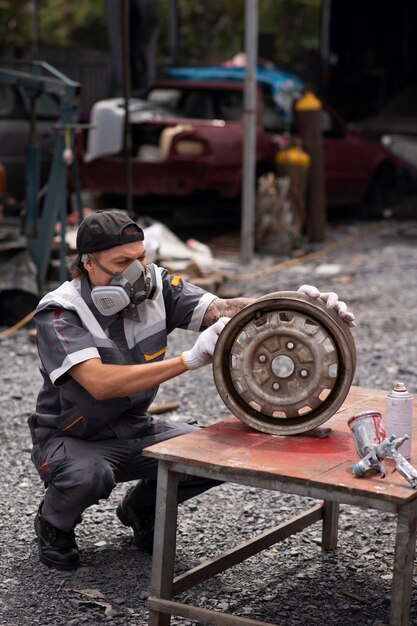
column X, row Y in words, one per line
column 163, row 559
column 367, row 496
column 240, row 553
column 330, row 525
column 206, row 616
column 405, row 549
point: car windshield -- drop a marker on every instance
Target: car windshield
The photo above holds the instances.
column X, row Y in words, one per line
column 197, row 103
column 224, row 104
column 166, row 98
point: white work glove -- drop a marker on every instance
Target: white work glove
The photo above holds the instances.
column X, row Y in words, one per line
column 332, row 302
column 202, row 351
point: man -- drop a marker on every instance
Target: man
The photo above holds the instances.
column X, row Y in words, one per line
column 102, row 338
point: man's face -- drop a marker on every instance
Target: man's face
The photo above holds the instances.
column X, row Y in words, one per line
column 115, row 260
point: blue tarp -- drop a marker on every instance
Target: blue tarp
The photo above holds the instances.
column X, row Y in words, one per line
column 285, row 87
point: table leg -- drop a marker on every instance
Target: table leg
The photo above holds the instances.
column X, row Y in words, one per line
column 402, row 580
column 163, row 559
column 330, row 525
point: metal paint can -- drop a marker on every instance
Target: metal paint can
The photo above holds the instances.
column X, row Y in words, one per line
column 399, row 416
column 367, row 429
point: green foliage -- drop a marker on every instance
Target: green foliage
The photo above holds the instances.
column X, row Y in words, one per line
column 61, row 23
column 295, row 25
column 213, row 30
column 15, row 23
column 75, row 24
column 209, row 31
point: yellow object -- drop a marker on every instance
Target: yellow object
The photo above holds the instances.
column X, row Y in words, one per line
column 74, row 422
column 189, row 147
column 149, row 357
column 18, row 325
column 292, row 156
column 308, row 102
column 184, row 363
column 68, row 155
column 168, row 134
column 175, row 281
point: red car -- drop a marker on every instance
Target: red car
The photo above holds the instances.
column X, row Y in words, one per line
column 188, row 137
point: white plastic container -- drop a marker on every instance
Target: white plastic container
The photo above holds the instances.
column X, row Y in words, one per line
column 399, row 416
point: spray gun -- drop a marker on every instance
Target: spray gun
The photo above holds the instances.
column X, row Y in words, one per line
column 388, row 448
column 373, row 445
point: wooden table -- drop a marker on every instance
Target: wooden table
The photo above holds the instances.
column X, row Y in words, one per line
column 303, row 465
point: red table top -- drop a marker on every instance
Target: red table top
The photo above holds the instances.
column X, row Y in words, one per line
column 325, row 462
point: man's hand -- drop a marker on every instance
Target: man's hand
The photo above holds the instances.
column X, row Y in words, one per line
column 332, row 302
column 202, row 351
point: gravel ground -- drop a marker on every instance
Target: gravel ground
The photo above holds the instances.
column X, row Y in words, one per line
column 292, row 582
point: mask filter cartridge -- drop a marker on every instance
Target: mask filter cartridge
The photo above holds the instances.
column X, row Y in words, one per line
column 134, row 285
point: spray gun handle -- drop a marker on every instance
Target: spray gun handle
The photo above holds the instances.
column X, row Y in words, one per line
column 366, row 463
column 361, row 467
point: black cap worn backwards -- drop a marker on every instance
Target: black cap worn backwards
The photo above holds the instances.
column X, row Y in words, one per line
column 104, row 229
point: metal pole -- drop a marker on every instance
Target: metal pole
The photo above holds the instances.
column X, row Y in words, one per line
column 126, row 88
column 36, row 5
column 249, row 124
column 173, row 32
column 325, row 46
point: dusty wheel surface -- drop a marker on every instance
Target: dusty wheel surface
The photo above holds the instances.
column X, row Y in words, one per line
column 284, row 364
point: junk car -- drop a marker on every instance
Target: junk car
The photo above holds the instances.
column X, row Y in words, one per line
column 187, row 137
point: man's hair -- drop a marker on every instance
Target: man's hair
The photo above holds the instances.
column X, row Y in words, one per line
column 78, row 270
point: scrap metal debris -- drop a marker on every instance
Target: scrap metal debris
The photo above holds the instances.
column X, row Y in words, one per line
column 92, row 595
column 354, row 596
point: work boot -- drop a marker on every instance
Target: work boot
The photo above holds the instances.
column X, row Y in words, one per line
column 57, row 548
column 141, row 520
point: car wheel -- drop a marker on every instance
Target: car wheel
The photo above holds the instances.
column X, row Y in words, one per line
column 383, row 193
column 284, row 364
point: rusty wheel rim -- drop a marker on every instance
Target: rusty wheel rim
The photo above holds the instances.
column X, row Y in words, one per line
column 284, row 364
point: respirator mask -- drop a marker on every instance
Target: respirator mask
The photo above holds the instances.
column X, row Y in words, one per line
column 134, row 285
